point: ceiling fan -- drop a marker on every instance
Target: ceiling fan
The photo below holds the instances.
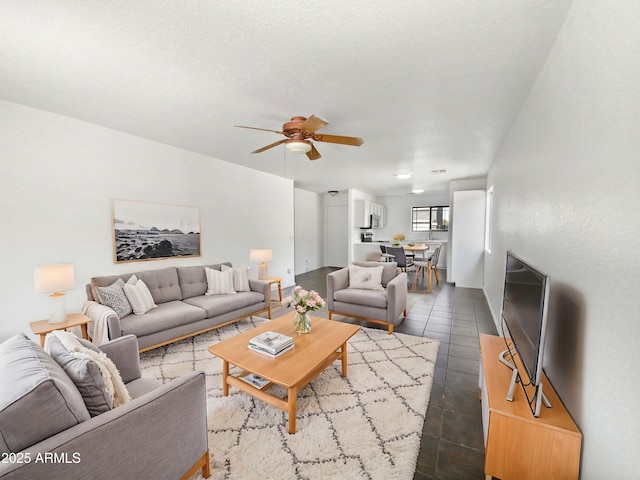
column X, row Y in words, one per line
column 300, row 131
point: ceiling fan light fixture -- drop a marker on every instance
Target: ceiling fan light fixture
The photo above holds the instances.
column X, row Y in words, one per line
column 298, row 146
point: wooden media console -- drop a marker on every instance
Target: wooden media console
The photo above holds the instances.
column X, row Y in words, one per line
column 517, row 444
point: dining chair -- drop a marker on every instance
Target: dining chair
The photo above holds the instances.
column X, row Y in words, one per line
column 434, row 263
column 400, row 257
column 430, row 264
column 385, row 257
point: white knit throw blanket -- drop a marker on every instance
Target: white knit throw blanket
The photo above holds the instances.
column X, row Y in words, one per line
column 98, row 313
column 112, row 379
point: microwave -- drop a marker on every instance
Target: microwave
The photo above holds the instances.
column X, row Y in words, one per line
column 374, row 222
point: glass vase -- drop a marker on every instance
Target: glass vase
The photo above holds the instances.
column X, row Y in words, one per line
column 302, row 322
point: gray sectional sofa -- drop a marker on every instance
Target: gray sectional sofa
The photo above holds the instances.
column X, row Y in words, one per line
column 183, row 310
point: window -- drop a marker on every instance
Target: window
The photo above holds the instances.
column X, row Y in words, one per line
column 425, row 219
column 487, row 226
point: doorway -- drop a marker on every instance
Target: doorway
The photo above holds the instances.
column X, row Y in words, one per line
column 337, row 240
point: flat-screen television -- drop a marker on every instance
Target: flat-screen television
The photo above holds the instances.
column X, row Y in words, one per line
column 524, row 312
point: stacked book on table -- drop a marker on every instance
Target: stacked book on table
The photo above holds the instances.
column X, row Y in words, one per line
column 271, row 344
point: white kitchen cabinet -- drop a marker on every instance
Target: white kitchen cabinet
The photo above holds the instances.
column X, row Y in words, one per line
column 362, row 211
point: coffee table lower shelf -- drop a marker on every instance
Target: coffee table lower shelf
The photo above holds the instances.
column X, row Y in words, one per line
column 289, row 404
column 293, row 370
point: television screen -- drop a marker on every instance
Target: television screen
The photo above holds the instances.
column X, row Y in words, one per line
column 524, row 312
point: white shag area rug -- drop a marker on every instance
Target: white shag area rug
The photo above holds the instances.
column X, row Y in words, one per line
column 365, row 426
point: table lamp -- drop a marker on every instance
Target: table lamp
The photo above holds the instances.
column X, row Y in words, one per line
column 261, row 255
column 54, row 279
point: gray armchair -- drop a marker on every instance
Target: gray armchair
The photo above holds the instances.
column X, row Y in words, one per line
column 160, row 433
column 387, row 306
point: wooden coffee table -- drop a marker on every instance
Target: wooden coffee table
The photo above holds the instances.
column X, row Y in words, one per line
column 293, row 370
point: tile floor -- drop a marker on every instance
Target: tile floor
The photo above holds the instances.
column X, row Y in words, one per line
column 452, row 446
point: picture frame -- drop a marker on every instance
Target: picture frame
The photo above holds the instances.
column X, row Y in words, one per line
column 153, row 231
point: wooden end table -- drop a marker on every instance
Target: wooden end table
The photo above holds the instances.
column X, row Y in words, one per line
column 271, row 281
column 42, row 327
column 293, row 370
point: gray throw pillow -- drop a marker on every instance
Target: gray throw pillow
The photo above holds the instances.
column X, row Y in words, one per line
column 84, row 373
column 113, row 296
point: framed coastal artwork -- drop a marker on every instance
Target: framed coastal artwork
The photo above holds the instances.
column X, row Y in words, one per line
column 152, row 231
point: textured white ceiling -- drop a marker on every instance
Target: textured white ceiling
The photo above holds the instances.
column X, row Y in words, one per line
column 428, row 84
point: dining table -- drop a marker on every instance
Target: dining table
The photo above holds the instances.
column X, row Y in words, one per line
column 416, row 248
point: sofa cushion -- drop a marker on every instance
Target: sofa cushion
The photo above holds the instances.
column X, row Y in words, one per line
column 368, row 278
column 193, row 280
column 219, row 282
column 215, row 305
column 37, row 398
column 389, row 270
column 139, row 296
column 113, row 296
column 163, row 284
column 166, row 316
column 142, row 386
column 370, row 298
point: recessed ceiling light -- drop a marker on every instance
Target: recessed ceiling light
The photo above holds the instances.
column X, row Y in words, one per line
column 403, row 175
column 417, row 190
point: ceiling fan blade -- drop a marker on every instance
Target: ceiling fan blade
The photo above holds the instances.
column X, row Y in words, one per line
column 263, row 129
column 313, row 154
column 354, row 141
column 313, row 124
column 275, row 144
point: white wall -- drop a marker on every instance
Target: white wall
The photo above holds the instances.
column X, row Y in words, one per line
column 59, row 175
column 309, row 231
column 566, row 194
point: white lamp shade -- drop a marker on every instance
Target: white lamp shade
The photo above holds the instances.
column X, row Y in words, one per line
column 260, row 254
column 53, row 278
column 298, row 146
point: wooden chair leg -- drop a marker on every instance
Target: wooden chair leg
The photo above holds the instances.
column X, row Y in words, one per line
column 435, row 269
column 203, row 462
column 206, row 468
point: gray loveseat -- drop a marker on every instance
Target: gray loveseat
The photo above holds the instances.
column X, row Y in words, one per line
column 183, row 310
column 47, row 431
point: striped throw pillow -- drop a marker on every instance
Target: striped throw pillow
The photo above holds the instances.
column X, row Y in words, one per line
column 240, row 279
column 219, row 283
column 139, row 295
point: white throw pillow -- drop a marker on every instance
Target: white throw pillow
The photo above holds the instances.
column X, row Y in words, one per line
column 139, row 295
column 219, row 282
column 240, row 279
column 368, row 278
